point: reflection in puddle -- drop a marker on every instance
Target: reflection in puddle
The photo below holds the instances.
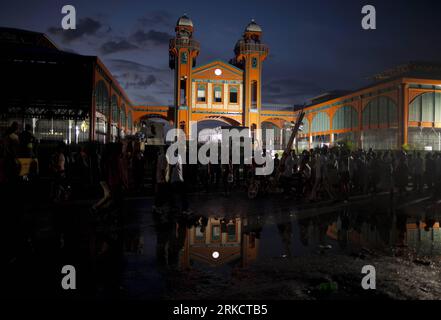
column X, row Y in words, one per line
column 232, row 239
column 144, row 256
column 217, row 242
column 171, row 248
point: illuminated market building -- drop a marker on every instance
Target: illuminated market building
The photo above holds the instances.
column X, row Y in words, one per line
column 74, row 98
column 402, row 106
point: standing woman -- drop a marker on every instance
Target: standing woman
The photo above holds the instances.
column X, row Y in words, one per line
column 402, row 175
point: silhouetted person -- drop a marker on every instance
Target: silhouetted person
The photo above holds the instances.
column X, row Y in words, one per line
column 161, row 179
column 27, row 141
column 177, row 183
column 11, row 145
column 402, row 175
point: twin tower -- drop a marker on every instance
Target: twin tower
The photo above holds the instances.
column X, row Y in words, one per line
column 230, row 92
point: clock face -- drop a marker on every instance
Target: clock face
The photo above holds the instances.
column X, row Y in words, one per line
column 218, row 72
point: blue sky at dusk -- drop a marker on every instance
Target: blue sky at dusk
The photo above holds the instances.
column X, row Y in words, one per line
column 315, row 46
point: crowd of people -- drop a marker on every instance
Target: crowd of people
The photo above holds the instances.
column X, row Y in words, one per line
column 338, row 173
column 86, row 167
column 114, row 169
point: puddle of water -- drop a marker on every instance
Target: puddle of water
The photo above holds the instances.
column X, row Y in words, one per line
column 240, row 240
column 140, row 259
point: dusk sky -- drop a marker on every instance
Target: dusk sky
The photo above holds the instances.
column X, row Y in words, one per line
column 315, row 45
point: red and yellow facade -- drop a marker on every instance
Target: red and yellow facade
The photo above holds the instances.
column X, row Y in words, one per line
column 112, row 114
column 402, row 108
column 229, row 92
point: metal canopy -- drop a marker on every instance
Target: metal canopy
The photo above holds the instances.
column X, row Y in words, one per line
column 45, row 83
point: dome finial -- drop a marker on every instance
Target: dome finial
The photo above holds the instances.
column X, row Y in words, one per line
column 253, row 27
column 184, row 21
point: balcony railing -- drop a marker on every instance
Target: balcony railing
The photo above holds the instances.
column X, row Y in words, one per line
column 184, row 43
column 244, row 47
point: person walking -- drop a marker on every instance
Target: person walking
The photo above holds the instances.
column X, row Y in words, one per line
column 177, row 183
column 11, row 146
column 60, row 188
column 402, row 176
column 161, row 179
column 429, row 171
column 287, row 170
column 27, row 142
column 418, row 170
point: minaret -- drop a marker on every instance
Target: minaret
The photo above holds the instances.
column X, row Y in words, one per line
column 183, row 52
column 250, row 54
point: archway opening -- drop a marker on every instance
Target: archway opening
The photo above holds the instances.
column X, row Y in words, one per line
column 154, row 128
column 270, row 128
column 210, row 129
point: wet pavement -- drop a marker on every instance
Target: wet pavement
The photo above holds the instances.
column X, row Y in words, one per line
column 230, row 248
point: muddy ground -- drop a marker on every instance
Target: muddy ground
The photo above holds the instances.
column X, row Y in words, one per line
column 400, row 275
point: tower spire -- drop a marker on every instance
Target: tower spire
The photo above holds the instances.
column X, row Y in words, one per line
column 183, row 52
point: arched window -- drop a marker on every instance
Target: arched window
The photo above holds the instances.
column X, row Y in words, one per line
column 426, row 108
column 345, row 118
column 123, row 116
column 305, row 127
column 380, row 111
column 115, row 110
column 276, row 131
column 129, row 121
column 102, row 98
column 321, row 122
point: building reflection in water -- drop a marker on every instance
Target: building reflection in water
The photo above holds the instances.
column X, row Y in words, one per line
column 386, row 231
column 233, row 238
column 187, row 243
column 183, row 242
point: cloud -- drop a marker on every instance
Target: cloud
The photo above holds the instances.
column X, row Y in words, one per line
column 290, row 90
column 144, row 84
column 136, row 81
column 146, row 81
column 116, row 46
column 85, row 27
column 132, row 66
column 148, row 99
column 151, row 37
column 157, row 18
